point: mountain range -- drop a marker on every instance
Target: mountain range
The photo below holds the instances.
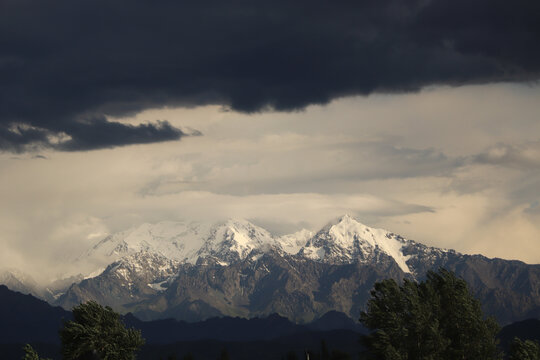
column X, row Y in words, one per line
column 194, row 271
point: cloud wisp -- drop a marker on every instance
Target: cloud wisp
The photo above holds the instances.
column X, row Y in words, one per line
column 522, row 156
column 66, row 67
column 281, row 166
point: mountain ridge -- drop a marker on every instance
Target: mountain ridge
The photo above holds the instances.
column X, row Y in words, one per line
column 342, row 240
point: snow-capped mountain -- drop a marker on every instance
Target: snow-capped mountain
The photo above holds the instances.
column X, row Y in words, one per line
column 194, row 270
column 174, row 240
column 186, row 242
column 235, row 240
column 346, row 241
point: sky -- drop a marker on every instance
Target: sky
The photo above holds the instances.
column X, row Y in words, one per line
column 420, row 117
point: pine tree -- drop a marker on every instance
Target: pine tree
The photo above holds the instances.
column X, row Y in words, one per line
column 98, row 332
column 524, row 350
column 434, row 319
column 30, row 353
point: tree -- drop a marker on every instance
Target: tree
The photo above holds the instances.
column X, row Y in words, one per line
column 524, row 350
column 97, row 332
column 434, row 319
column 30, row 353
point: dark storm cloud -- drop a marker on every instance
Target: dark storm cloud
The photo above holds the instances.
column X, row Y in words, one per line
column 100, row 133
column 85, row 135
column 65, row 63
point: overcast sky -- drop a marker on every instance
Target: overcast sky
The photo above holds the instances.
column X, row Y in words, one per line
column 421, row 118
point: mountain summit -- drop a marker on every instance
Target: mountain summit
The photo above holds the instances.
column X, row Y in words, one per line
column 175, row 240
column 347, row 240
column 235, row 240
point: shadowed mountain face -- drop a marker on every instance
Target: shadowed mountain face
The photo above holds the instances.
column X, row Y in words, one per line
column 193, row 271
column 510, row 290
column 24, row 318
column 40, row 322
column 525, row 330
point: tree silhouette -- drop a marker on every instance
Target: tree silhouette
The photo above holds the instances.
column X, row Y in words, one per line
column 524, row 350
column 30, row 353
column 97, row 332
column 435, row 319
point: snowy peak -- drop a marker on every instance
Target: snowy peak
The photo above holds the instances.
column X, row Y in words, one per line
column 346, row 230
column 235, row 240
column 174, row 240
column 184, row 242
column 347, row 240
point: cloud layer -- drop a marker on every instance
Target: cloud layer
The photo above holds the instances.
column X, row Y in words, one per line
column 67, row 67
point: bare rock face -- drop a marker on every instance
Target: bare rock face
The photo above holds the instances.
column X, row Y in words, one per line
column 194, row 271
column 131, row 279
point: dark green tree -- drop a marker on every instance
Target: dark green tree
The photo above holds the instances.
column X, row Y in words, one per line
column 97, row 332
column 30, row 353
column 524, row 350
column 434, row 319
